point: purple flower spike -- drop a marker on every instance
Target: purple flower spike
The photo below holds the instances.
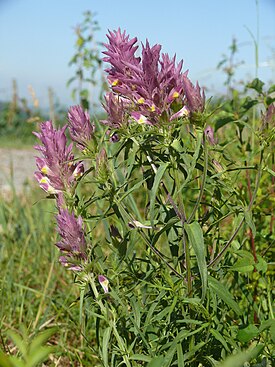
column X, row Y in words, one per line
column 80, row 127
column 72, row 244
column 104, row 282
column 120, row 53
column 195, row 100
column 269, row 117
column 209, row 133
column 116, row 109
column 57, row 170
column 154, row 85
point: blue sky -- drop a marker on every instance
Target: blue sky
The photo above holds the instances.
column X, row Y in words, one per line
column 37, row 37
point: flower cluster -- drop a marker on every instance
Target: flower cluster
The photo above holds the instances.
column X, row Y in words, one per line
column 209, row 134
column 58, row 173
column 57, row 170
column 146, row 89
column 72, row 244
column 80, row 127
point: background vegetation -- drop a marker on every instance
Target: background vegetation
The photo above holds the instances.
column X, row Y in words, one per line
column 38, row 295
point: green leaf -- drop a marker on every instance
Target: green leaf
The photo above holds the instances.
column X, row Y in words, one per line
column 140, row 357
column 176, row 144
column 170, row 354
column 105, row 344
column 217, row 335
column 70, row 81
column 195, row 237
column 80, row 42
column 156, row 362
column 219, row 289
column 249, row 221
column 242, row 266
column 213, row 362
column 191, row 161
column 193, row 350
column 271, row 89
column 153, row 193
column 247, row 103
column 5, row 361
column 180, row 355
column 167, row 226
column 224, row 120
column 272, row 332
column 240, row 358
column 136, row 311
column 84, row 93
column 245, row 263
column 248, row 333
column 39, row 355
column 266, row 324
column 18, row 341
column 261, row 265
column 133, row 188
column 269, row 171
column 41, row 339
column 257, row 85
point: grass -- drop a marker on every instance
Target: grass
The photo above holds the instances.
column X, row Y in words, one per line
column 15, row 143
column 35, row 291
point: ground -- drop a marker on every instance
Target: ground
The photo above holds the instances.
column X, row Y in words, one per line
column 16, row 168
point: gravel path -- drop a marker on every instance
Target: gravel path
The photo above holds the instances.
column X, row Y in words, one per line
column 16, row 166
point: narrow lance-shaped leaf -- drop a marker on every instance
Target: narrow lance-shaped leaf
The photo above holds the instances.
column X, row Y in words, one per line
column 156, row 362
column 240, row 358
column 195, row 237
column 191, row 163
column 249, row 221
column 219, row 289
column 105, row 344
column 153, row 193
column 5, row 360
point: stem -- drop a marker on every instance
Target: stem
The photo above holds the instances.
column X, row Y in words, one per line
column 252, row 241
column 270, row 304
column 242, row 220
column 188, row 266
column 202, row 184
column 272, row 188
column 95, row 291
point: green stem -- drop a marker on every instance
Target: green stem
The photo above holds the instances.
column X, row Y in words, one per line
column 270, row 304
column 91, row 280
column 188, row 266
column 205, row 166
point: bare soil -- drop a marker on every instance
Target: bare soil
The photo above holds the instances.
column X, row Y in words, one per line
column 17, row 167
